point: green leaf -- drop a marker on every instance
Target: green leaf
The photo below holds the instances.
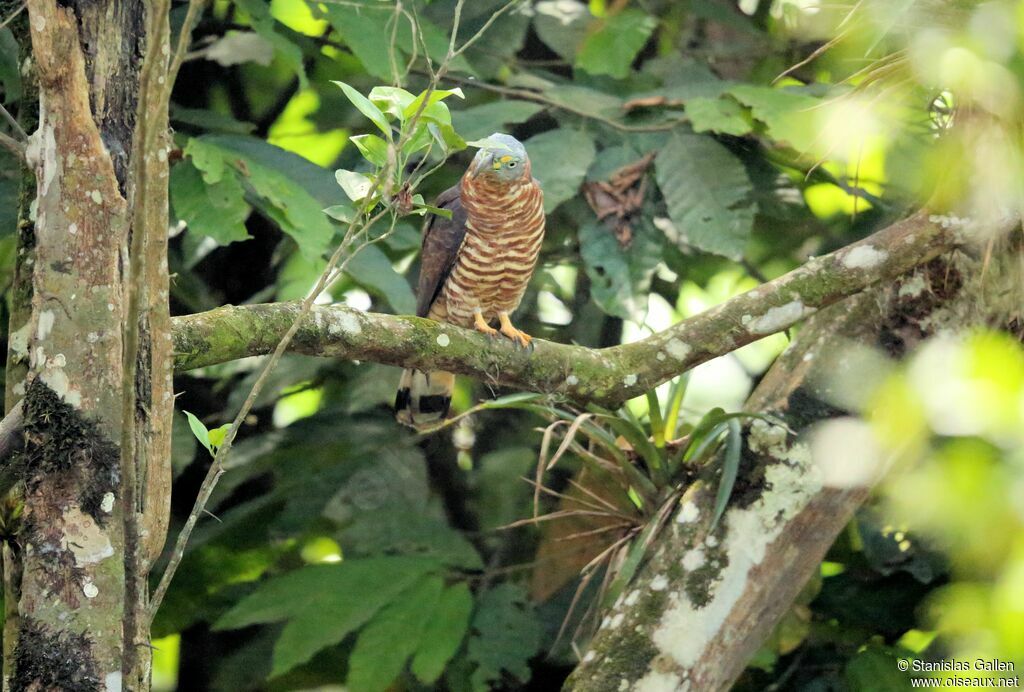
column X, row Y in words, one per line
column 387, row 642
column 341, row 212
column 789, row 116
column 10, row 73
column 724, row 116
column 612, row 48
column 323, row 603
column 280, row 182
column 199, row 430
column 216, row 210
column 506, row 636
column 875, row 669
column 445, row 630
column 356, row 185
column 373, row 148
column 391, row 100
column 436, row 96
column 371, row 269
column 367, row 32
column 512, row 400
column 707, row 193
column 429, row 208
column 367, row 27
column 561, row 25
column 366, row 107
column 266, row 26
column 209, row 120
column 560, row 159
column 217, row 435
column 634, row 558
column 730, row 467
column 446, row 136
column 480, row 121
column 620, row 278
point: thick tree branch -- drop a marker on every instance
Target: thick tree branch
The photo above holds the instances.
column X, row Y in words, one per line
column 707, row 599
column 609, row 375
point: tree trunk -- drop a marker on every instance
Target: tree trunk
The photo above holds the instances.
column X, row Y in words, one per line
column 95, row 509
column 707, row 600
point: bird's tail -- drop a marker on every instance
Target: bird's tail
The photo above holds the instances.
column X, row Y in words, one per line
column 423, row 398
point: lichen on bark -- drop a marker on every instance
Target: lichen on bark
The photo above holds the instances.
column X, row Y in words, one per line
column 776, row 530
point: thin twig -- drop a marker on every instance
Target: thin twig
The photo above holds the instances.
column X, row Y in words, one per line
column 14, row 14
column 15, row 125
column 14, row 146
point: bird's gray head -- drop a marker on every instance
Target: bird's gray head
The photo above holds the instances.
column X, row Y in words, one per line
column 502, row 156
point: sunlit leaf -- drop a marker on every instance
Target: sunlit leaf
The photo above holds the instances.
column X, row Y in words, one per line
column 356, row 185
column 199, row 430
column 366, row 107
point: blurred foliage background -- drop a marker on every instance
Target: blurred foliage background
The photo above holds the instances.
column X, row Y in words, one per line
column 688, row 151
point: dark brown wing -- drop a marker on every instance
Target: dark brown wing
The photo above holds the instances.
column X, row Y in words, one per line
column 442, row 239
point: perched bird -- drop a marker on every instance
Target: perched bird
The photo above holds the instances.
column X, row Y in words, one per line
column 474, row 267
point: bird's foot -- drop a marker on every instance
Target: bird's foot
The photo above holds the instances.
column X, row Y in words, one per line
column 519, row 337
column 481, row 326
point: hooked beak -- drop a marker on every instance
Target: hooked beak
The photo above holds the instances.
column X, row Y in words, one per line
column 482, row 164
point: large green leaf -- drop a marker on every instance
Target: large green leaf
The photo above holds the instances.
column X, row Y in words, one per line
column 371, row 269
column 561, row 25
column 506, row 636
column 481, row 121
column 217, row 210
column 707, row 192
column 10, row 74
column 789, row 116
column 387, row 642
column 619, row 278
column 275, row 190
column 560, row 159
column 368, row 28
column 717, row 115
column 266, row 26
column 364, row 27
column 612, row 48
column 323, row 603
column 443, row 635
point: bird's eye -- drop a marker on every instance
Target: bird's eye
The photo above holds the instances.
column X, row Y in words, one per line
column 511, row 164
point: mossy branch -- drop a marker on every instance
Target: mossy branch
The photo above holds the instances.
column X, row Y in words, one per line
column 609, row 375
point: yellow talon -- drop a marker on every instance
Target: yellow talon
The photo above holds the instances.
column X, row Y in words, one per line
column 481, row 326
column 520, row 337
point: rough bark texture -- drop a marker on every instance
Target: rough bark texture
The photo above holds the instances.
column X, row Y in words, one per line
column 707, row 600
column 610, row 375
column 75, row 601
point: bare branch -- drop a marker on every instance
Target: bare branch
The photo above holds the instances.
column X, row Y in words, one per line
column 609, row 375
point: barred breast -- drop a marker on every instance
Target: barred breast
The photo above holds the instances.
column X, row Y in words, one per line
column 504, row 232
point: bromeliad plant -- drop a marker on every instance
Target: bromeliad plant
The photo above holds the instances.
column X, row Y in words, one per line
column 632, row 473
